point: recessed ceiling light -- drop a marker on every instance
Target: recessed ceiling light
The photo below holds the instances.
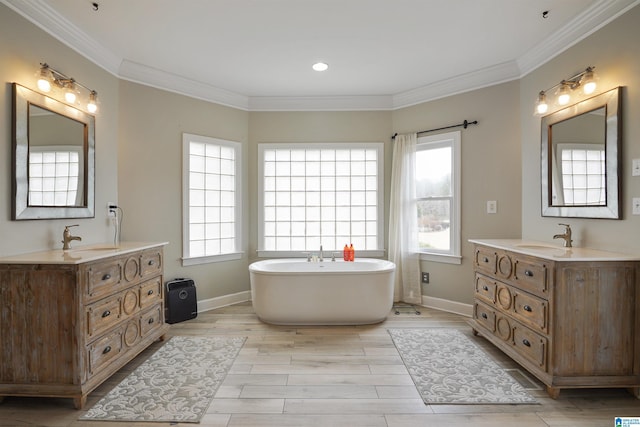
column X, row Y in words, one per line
column 320, row 66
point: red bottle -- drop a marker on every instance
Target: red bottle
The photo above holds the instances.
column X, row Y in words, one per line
column 352, row 253
column 345, row 253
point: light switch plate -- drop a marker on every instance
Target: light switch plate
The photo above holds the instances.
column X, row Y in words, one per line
column 635, row 167
column 492, row 206
column 636, row 205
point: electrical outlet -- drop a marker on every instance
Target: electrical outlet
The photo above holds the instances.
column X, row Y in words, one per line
column 111, row 209
column 425, row 277
column 636, row 205
column 492, row 206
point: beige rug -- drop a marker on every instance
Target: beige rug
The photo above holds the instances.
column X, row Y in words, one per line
column 176, row 384
column 448, row 368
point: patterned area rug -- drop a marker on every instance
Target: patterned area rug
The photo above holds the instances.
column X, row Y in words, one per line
column 448, row 368
column 176, row 384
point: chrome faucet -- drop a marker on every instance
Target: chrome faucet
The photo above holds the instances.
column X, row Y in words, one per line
column 67, row 237
column 320, row 257
column 566, row 236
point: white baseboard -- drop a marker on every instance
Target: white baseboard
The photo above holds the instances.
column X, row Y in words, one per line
column 448, row 306
column 223, row 301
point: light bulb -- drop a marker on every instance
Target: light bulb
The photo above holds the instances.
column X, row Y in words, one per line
column 588, row 81
column 541, row 103
column 92, row 106
column 70, row 97
column 563, row 94
column 320, row 66
column 43, row 78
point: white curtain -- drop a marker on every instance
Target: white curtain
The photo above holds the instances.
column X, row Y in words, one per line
column 403, row 233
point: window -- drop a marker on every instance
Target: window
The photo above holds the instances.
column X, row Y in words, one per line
column 54, row 176
column 212, row 202
column 320, row 194
column 438, row 196
column 583, row 178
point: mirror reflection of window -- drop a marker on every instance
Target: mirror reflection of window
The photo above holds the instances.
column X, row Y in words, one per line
column 54, row 174
column 582, row 181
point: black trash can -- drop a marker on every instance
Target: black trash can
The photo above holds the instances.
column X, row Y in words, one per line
column 181, row 303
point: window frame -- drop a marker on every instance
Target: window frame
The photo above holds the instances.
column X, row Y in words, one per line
column 453, row 140
column 187, row 259
column 378, row 146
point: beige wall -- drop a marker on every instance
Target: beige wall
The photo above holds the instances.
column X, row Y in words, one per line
column 490, row 171
column 615, row 52
column 150, row 176
column 22, row 47
column 138, row 148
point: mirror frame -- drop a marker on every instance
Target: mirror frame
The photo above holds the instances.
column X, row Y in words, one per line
column 612, row 102
column 22, row 98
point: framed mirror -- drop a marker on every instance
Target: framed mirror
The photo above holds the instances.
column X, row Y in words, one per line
column 580, row 158
column 53, row 158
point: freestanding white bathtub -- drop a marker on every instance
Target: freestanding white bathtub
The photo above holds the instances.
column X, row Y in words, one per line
column 298, row 292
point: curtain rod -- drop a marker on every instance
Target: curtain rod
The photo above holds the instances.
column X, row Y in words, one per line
column 464, row 124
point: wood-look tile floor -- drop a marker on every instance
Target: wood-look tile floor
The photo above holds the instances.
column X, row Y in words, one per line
column 335, row 376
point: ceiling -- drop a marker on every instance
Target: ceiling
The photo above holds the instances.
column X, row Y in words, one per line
column 257, row 54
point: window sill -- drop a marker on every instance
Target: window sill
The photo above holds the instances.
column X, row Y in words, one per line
column 443, row 258
column 211, row 259
column 326, row 254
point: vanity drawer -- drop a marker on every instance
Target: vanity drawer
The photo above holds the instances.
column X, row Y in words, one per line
column 151, row 263
column 486, row 259
column 531, row 310
column 485, row 315
column 151, row 292
column 485, row 288
column 151, row 320
column 103, row 278
column 530, row 345
column 531, row 275
column 103, row 351
column 103, row 315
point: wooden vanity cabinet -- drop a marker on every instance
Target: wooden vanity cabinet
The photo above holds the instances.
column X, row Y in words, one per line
column 66, row 328
column 572, row 324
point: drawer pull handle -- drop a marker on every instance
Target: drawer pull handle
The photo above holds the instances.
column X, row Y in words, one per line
column 151, row 262
column 528, row 273
column 150, row 292
column 485, row 288
column 106, row 277
column 484, row 316
column 107, row 313
column 106, row 350
column 526, row 342
column 485, row 259
column 150, row 321
column 527, row 308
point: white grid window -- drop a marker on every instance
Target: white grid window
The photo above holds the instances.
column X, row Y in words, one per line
column 212, row 201
column 438, row 196
column 583, row 176
column 320, row 194
column 54, row 176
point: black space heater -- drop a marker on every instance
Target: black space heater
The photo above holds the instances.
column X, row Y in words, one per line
column 181, row 303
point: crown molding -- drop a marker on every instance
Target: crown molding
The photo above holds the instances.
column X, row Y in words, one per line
column 43, row 16
column 591, row 20
column 321, row 103
column 148, row 76
column 47, row 19
column 478, row 79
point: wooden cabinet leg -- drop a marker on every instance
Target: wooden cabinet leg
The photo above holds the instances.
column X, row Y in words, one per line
column 553, row 392
column 475, row 332
column 79, row 401
column 635, row 391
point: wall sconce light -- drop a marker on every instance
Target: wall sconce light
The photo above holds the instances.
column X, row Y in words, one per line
column 585, row 80
column 49, row 78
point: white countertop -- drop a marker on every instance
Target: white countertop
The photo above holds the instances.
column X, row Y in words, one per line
column 555, row 252
column 79, row 254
